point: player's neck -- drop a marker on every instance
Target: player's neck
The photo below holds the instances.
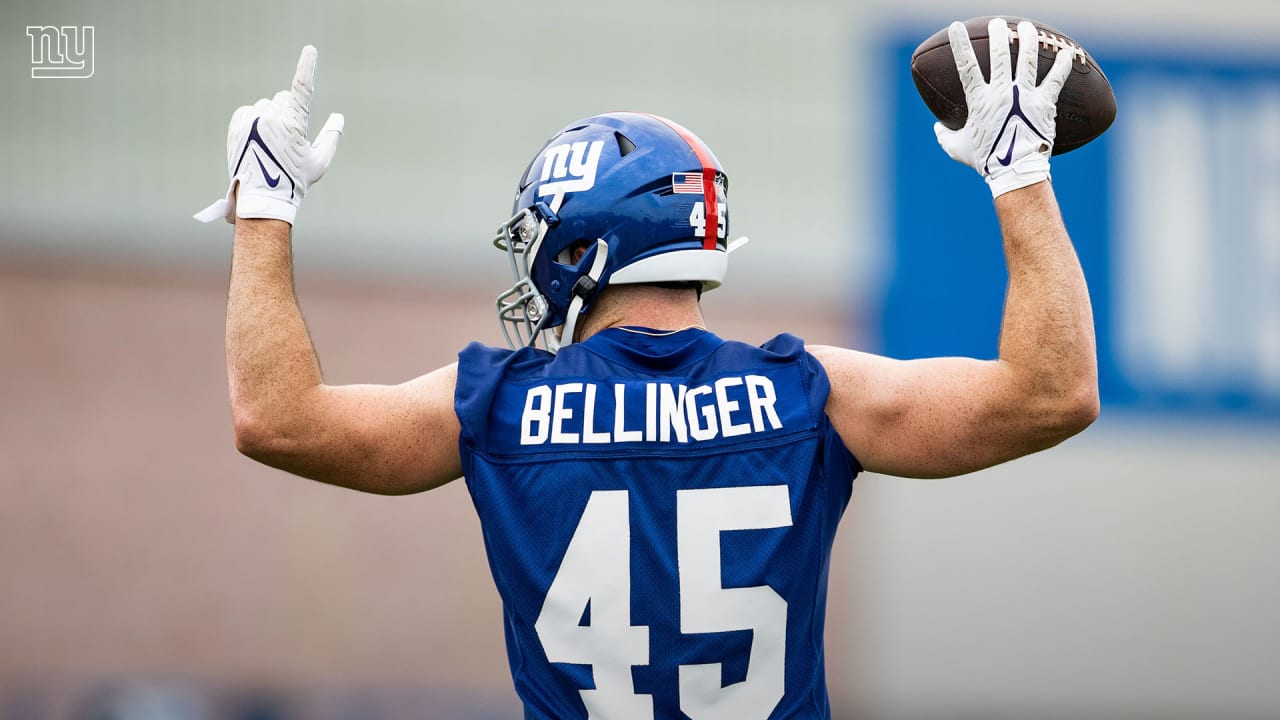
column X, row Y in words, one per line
column 645, row 306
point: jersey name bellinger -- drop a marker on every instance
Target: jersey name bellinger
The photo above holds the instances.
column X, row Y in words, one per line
column 573, row 413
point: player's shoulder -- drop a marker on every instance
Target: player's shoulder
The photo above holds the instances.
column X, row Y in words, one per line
column 784, row 344
column 482, row 367
column 781, row 349
column 785, row 353
column 484, row 360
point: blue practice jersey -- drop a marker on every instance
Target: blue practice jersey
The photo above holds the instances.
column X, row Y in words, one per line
column 658, row 513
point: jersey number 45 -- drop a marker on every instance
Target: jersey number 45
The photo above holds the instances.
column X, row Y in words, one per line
column 596, row 569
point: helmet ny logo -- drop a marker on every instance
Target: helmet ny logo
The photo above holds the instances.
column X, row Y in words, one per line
column 65, row 52
column 569, row 168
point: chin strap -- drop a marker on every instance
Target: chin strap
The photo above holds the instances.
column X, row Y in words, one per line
column 583, row 290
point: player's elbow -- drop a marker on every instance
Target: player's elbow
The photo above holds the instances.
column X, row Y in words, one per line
column 1086, row 406
column 249, row 433
column 1072, row 411
column 255, row 437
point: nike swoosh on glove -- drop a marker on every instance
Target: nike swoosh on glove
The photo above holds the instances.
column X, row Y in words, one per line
column 1012, row 122
column 269, row 161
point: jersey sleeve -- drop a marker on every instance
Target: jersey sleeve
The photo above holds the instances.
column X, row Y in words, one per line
column 480, row 370
column 819, row 387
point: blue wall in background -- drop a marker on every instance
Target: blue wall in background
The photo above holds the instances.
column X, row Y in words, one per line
column 1175, row 213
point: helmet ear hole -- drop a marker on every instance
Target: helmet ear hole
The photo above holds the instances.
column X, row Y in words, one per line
column 570, row 255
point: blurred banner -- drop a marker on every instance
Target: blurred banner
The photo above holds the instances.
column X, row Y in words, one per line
column 1175, row 212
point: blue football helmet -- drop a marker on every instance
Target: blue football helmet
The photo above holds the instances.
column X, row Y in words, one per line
column 642, row 195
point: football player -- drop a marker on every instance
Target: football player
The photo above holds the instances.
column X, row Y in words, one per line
column 658, row 504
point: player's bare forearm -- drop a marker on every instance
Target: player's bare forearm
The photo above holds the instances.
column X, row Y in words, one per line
column 1046, row 337
column 271, row 362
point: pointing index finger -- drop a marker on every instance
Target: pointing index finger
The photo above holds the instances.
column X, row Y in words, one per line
column 304, row 80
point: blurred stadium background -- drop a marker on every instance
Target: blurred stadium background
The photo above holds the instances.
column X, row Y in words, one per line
column 148, row 571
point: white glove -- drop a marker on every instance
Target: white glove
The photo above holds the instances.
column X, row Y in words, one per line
column 1009, row 134
column 269, row 160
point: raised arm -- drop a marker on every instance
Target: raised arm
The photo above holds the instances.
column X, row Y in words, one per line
column 375, row 438
column 381, row 439
column 947, row 416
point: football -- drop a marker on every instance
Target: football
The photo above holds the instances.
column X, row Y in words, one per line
column 1086, row 104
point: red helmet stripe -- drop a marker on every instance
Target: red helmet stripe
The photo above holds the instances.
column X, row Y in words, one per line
column 709, row 198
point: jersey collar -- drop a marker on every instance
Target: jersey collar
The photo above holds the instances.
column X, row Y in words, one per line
column 653, row 349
